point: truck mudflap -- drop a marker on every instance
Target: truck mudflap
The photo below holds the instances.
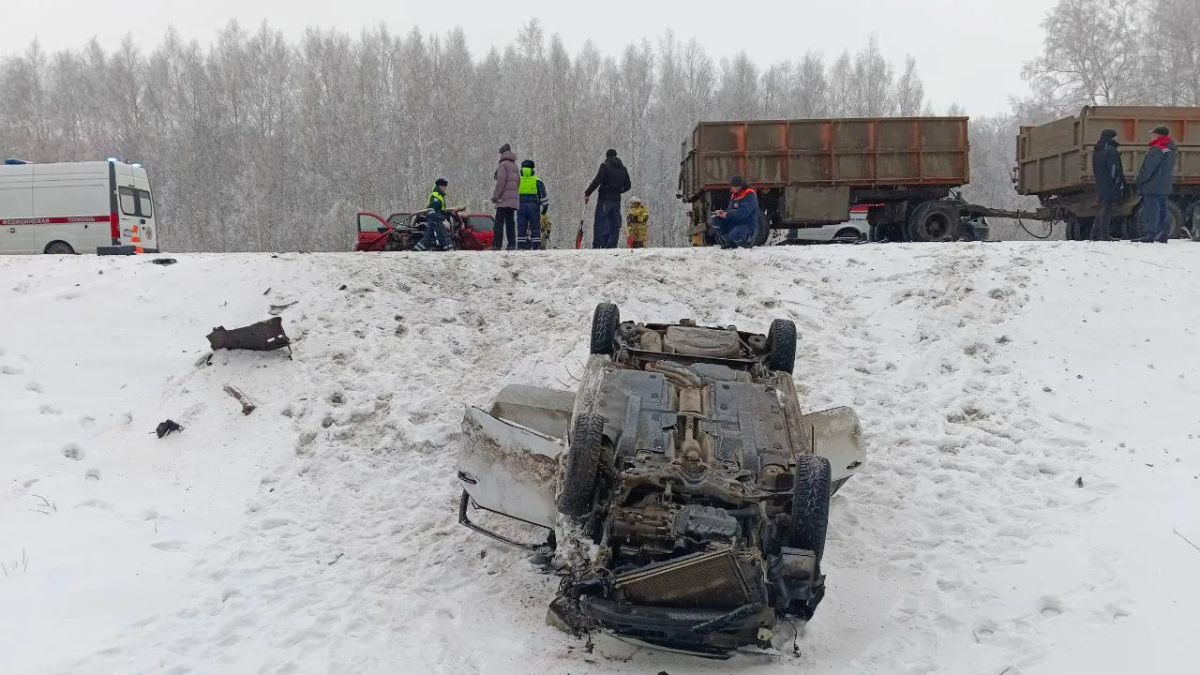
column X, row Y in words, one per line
column 836, row 435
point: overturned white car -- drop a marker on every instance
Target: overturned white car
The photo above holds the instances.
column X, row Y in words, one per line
column 685, row 495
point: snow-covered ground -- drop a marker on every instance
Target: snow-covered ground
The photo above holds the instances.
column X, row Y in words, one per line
column 319, row 534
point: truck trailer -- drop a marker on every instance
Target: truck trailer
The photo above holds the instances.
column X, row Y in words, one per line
column 809, row 173
column 1054, row 163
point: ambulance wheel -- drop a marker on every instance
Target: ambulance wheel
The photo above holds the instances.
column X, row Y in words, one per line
column 59, row 248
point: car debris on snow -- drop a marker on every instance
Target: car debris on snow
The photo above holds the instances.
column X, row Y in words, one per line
column 248, row 406
column 264, row 336
column 167, row 428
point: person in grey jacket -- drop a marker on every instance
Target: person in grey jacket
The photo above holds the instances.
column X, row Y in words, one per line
column 506, row 199
column 1154, row 184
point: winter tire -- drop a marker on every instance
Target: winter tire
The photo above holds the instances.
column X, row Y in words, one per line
column 810, row 505
column 847, row 235
column 782, row 341
column 1175, row 213
column 934, row 221
column 582, row 463
column 605, row 321
column 59, row 248
column 763, row 233
column 1194, row 220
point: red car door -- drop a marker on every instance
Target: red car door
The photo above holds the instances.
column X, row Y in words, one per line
column 481, row 227
column 373, row 232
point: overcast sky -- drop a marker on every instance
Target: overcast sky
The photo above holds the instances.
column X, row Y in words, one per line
column 967, row 51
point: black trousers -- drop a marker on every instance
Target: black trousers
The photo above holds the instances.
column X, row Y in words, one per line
column 506, row 222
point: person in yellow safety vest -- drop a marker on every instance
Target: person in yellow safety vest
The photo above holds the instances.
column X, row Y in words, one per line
column 436, row 236
column 534, row 202
column 636, row 223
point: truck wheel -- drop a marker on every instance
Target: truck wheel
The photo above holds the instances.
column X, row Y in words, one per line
column 934, row 221
column 605, row 320
column 583, row 460
column 810, row 505
column 1194, row 220
column 782, row 340
column 763, row 233
column 59, row 248
column 1175, row 216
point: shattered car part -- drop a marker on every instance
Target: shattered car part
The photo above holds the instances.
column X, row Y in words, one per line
column 264, row 336
column 686, row 495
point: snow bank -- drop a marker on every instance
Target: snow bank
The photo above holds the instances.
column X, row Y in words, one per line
column 318, row 534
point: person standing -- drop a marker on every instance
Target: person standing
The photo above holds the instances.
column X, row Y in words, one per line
column 534, row 203
column 505, row 197
column 1110, row 183
column 611, row 181
column 637, row 222
column 435, row 222
column 1154, row 184
column 735, row 226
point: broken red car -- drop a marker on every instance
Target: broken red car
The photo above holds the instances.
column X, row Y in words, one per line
column 402, row 231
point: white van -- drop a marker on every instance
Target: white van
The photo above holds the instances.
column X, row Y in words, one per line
column 76, row 207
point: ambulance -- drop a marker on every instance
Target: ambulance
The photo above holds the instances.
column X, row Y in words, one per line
column 65, row 208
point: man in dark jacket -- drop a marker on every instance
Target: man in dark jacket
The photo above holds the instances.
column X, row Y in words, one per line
column 1154, row 184
column 505, row 197
column 735, row 226
column 612, row 181
column 534, row 203
column 436, row 237
column 1110, row 182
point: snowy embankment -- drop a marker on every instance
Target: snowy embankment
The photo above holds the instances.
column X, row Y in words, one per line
column 318, row 534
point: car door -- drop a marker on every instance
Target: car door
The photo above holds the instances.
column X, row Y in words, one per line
column 372, row 232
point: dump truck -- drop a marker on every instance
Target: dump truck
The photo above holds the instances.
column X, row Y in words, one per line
column 809, row 173
column 1054, row 163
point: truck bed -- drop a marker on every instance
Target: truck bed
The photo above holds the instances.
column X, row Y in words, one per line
column 897, row 152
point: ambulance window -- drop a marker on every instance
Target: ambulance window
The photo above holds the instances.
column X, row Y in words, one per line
column 128, row 201
column 145, row 207
column 136, row 202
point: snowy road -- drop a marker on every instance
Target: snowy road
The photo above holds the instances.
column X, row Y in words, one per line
column 318, row 534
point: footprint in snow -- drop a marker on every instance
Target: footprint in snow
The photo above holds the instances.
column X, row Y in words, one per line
column 33, row 386
column 1050, row 606
column 72, row 451
column 92, row 474
column 10, row 370
column 49, row 409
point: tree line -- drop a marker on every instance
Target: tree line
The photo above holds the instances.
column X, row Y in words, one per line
column 255, row 142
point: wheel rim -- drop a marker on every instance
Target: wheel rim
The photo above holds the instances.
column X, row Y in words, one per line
column 937, row 226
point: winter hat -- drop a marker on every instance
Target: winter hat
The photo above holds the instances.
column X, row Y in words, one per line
column 610, row 153
column 441, row 182
column 736, row 180
column 635, row 200
column 527, row 164
column 1108, row 133
column 505, row 148
column 1162, row 131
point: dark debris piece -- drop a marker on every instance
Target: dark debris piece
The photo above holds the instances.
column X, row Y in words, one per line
column 166, row 428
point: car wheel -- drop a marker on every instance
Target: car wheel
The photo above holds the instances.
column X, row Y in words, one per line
column 604, row 328
column 583, row 460
column 810, row 505
column 782, row 340
column 847, row 235
column 60, row 248
column 1194, row 220
column 934, row 221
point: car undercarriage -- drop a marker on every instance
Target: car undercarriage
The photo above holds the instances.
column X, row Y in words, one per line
column 689, row 506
